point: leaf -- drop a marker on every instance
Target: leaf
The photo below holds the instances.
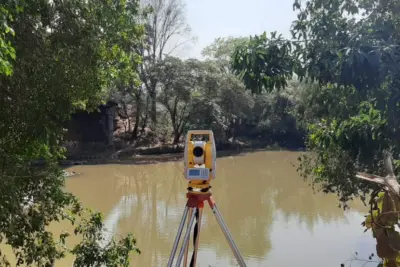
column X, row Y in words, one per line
column 393, row 239
column 383, row 248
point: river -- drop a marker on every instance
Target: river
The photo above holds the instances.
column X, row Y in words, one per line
column 273, row 215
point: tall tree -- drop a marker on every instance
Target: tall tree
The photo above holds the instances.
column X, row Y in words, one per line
column 176, row 83
column 166, row 30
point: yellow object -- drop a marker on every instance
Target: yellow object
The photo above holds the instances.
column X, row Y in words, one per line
column 382, row 219
column 200, row 158
column 393, row 263
column 375, row 212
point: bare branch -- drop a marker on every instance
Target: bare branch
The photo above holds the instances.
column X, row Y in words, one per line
column 371, row 178
column 167, row 20
column 389, row 181
column 176, row 46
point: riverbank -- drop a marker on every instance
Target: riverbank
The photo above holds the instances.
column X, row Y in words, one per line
column 166, row 153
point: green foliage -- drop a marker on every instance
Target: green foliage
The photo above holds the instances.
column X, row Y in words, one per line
column 7, row 51
column 176, row 81
column 199, row 94
column 356, row 101
column 90, row 252
column 166, row 31
column 222, row 49
column 67, row 54
column 220, row 103
column 264, row 63
column 346, row 52
column 274, row 120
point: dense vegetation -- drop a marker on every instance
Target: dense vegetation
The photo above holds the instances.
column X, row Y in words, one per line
column 56, row 56
column 334, row 83
column 198, row 94
column 346, row 53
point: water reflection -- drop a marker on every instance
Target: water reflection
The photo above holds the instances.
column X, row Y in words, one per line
column 295, row 199
column 274, row 217
column 120, row 211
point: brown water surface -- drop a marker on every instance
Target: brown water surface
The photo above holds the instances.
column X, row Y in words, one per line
column 273, row 215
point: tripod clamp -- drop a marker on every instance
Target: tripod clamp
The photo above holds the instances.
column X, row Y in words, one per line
column 203, row 186
column 202, row 190
column 194, row 207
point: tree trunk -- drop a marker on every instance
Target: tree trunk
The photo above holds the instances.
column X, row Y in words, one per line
column 138, row 101
column 122, row 113
column 177, row 136
column 153, row 111
column 235, row 127
column 145, row 119
column 136, row 127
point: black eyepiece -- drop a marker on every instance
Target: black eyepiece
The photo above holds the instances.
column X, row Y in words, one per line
column 198, row 151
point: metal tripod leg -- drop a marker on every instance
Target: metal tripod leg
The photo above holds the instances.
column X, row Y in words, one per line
column 178, row 236
column 196, row 244
column 187, row 244
column 228, row 235
column 185, row 240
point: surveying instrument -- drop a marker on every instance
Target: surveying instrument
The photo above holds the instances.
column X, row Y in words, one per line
column 199, row 168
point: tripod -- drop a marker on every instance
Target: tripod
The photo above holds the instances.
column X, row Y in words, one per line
column 194, row 207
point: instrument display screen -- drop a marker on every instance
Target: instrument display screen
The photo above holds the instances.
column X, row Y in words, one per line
column 194, row 172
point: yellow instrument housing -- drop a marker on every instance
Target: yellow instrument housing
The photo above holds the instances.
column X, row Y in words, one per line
column 200, row 156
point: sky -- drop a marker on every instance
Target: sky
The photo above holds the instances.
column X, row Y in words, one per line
column 210, row 19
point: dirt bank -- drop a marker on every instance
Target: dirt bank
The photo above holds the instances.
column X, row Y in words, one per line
column 152, row 158
column 161, row 153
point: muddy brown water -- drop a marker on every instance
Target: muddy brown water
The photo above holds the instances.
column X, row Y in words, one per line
column 273, row 215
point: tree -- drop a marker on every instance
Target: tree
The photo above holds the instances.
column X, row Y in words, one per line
column 219, row 101
column 222, row 49
column 176, row 83
column 353, row 64
column 350, row 65
column 236, row 105
column 206, row 110
column 264, row 64
column 273, row 119
column 229, row 105
column 383, row 214
column 165, row 23
column 67, row 54
column 197, row 94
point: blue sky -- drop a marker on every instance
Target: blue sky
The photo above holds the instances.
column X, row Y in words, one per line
column 210, row 19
